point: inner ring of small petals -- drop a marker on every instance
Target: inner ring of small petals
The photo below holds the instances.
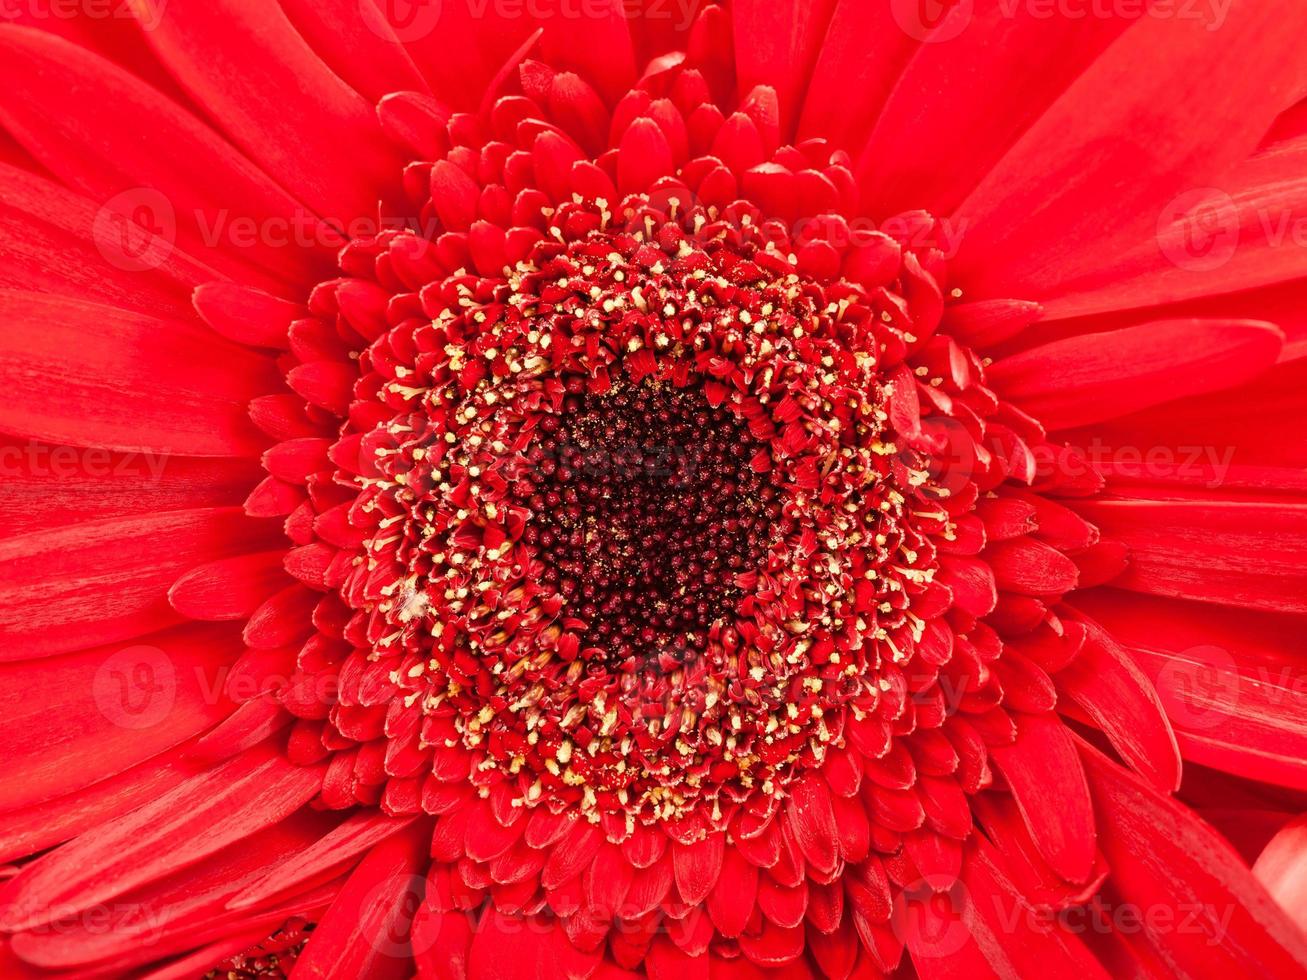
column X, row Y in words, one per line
column 637, row 515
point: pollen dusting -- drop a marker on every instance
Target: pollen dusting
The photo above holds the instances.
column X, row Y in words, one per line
column 643, row 527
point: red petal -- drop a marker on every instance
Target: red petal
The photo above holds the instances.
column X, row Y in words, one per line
column 864, row 51
column 1048, row 782
column 812, row 820
column 1013, row 935
column 36, row 827
column 246, row 315
column 987, row 323
column 597, row 46
column 97, row 583
column 530, row 949
column 90, row 375
column 1093, row 377
column 72, row 720
column 572, row 854
column 1058, row 205
column 733, row 898
column 1124, row 704
column 776, row 44
column 697, row 866
column 1282, row 868
column 244, row 63
column 643, row 156
column 909, row 157
column 365, row 932
column 356, row 41
column 1240, row 554
column 773, row 945
column 172, row 906
column 76, row 486
column 254, row 721
column 173, row 831
column 1221, row 239
column 1031, row 567
column 230, row 588
column 1164, row 857
column 50, row 242
column 82, row 119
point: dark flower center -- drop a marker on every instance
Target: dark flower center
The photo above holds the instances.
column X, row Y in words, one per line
column 645, row 509
column 637, row 525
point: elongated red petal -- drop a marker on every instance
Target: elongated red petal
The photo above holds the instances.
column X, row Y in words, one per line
column 96, row 583
column 229, row 588
column 117, row 704
column 173, row 831
column 1048, row 783
column 82, row 119
column 248, row 67
column 1231, row 552
column 365, row 932
column 1122, row 701
column 91, row 375
column 1101, row 376
column 1282, row 868
column 1042, row 218
column 1163, row 856
column 171, row 906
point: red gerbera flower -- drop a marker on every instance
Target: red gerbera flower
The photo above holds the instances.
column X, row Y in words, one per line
column 775, row 489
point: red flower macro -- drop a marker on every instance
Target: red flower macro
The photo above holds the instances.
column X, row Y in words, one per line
column 596, row 489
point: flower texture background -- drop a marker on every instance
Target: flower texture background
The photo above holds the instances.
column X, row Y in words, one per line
column 613, row 488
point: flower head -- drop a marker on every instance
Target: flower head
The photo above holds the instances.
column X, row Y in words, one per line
column 677, row 533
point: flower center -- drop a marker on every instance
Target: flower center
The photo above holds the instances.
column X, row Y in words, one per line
column 636, row 515
column 644, row 522
column 646, row 509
